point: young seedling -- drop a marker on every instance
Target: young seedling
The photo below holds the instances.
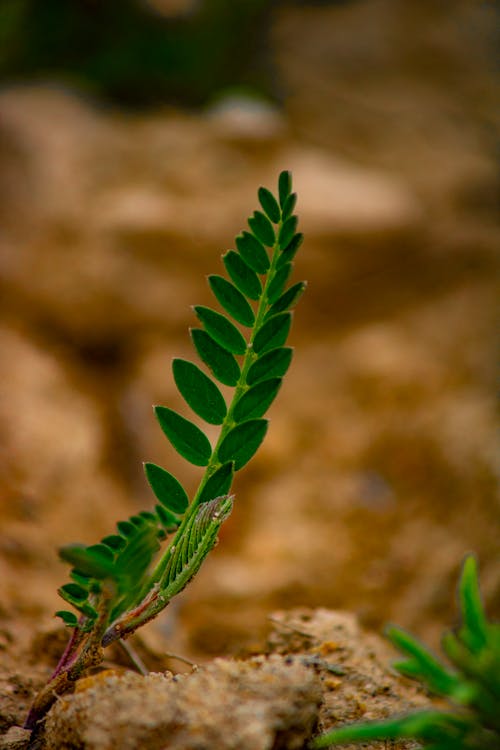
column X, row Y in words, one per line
column 123, row 582
column 471, row 686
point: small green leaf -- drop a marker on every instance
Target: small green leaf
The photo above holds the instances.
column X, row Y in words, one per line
column 284, row 186
column 289, row 298
column 148, row 516
column 187, row 439
column 73, row 593
column 253, row 253
column 232, row 300
column 167, row 488
column 221, row 330
column 126, row 528
column 262, row 228
column 269, row 204
column 242, row 442
column 242, row 276
column 273, row 364
column 289, row 206
column 273, row 333
column 201, row 393
column 218, row 484
column 100, row 551
column 114, row 541
column 85, row 581
column 137, row 521
column 90, row 563
column 136, row 557
column 256, row 401
column 68, row 618
column 290, row 251
column 432, row 671
column 287, row 232
column 167, row 519
column 474, row 626
column 278, row 283
column 222, row 364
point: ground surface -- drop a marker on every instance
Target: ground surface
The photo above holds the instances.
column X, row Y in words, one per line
column 378, row 473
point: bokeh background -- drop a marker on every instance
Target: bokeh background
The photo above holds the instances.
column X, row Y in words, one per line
column 133, row 138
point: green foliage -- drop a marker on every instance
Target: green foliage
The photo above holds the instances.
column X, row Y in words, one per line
column 471, row 684
column 118, row 584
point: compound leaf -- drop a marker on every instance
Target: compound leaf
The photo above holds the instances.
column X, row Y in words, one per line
column 232, row 300
column 222, row 364
column 186, row 437
column 242, row 442
column 221, row 330
column 168, row 490
column 199, row 391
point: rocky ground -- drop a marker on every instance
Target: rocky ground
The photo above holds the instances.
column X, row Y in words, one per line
column 378, row 473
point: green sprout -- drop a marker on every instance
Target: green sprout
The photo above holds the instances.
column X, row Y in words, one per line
column 123, row 582
column 471, row 686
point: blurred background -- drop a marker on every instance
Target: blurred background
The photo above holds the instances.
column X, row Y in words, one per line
column 133, row 138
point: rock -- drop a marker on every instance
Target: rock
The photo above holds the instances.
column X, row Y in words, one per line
column 15, row 738
column 259, row 704
column 337, row 196
column 353, row 664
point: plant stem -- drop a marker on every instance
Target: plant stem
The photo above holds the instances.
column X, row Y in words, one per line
column 83, row 650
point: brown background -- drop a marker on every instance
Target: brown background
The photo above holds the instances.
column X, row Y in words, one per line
column 378, row 473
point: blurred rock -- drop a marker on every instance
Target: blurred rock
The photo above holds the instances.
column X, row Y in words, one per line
column 244, row 119
column 408, row 87
column 338, row 197
column 106, row 215
column 54, row 488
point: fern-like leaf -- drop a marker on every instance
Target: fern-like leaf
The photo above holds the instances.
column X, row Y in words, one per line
column 121, row 582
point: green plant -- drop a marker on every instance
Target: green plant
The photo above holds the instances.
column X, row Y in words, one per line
column 115, row 587
column 471, row 686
